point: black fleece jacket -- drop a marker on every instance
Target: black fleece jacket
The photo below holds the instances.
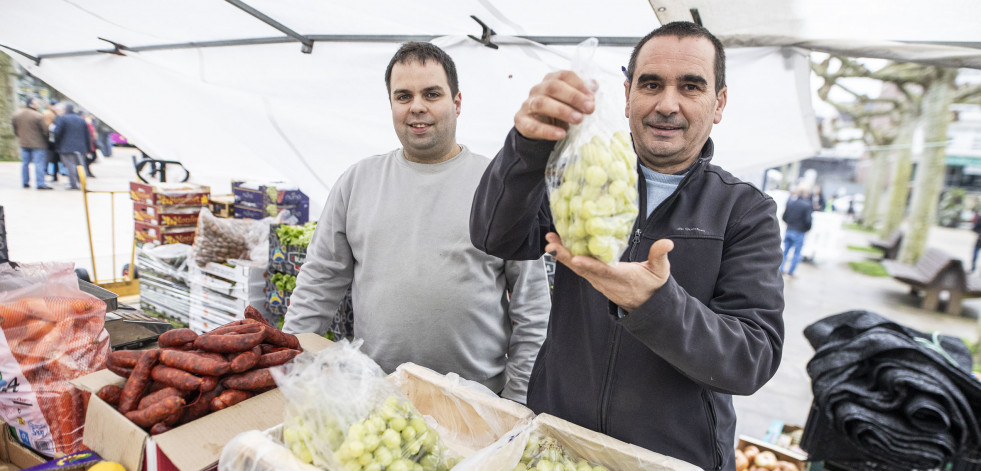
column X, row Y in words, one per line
column 662, row 376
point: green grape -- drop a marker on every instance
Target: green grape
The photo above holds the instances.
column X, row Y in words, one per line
column 595, row 176
column 606, row 205
column 521, row 467
column 545, row 465
column 617, row 188
column 373, row 467
column 399, row 465
column 383, row 456
column 352, row 466
column 391, row 438
column 579, row 247
column 600, row 468
column 366, row 459
column 583, row 465
column 590, row 192
column 599, row 227
column 397, row 423
column 408, row 433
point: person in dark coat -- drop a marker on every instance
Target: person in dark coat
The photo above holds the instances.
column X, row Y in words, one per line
column 72, row 142
column 797, row 215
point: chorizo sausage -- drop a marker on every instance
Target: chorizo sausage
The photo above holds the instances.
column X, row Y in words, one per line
column 200, row 407
column 269, row 348
column 244, row 326
column 179, row 379
column 158, row 395
column 193, row 363
column 250, row 381
column 156, row 412
column 159, row 428
column 208, row 383
column 138, row 381
column 228, row 398
column 278, row 337
column 246, row 360
column 110, row 393
column 119, row 370
column 254, row 314
column 277, row 358
column 229, row 343
column 176, row 337
column 124, row 358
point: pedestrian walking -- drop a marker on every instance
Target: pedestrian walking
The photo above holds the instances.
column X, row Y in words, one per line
column 32, row 136
column 72, row 142
column 797, row 215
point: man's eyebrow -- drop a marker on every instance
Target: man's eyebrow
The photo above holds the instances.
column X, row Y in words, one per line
column 649, row 78
column 693, row 78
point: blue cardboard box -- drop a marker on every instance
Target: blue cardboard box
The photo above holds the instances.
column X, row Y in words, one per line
column 261, row 195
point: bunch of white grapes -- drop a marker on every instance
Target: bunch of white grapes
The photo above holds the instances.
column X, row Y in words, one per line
column 545, row 454
column 394, row 437
column 595, row 205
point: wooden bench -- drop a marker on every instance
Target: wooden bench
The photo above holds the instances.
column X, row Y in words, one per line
column 889, row 246
column 934, row 272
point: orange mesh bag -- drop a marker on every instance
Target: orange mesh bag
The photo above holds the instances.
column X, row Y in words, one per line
column 52, row 332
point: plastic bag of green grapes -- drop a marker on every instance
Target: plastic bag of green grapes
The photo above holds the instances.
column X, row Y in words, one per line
column 342, row 414
column 544, row 453
column 592, row 174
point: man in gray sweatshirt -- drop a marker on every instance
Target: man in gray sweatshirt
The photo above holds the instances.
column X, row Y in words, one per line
column 395, row 229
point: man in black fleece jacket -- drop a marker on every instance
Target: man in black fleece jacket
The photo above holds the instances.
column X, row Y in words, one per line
column 648, row 351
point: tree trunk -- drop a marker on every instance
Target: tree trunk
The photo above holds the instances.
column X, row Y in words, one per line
column 8, row 103
column 937, row 98
column 902, row 172
column 873, row 187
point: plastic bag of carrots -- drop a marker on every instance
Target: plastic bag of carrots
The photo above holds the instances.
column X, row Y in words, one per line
column 52, row 332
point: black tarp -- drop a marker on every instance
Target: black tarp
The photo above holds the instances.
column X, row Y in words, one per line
column 889, row 395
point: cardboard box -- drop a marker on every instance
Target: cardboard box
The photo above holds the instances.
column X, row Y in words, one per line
column 169, row 193
column 166, row 215
column 476, row 419
column 152, row 233
column 222, row 206
column 300, row 211
column 194, row 446
column 578, row 441
column 784, row 454
column 15, row 453
column 259, row 195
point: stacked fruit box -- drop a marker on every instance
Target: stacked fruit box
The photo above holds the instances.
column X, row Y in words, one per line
column 258, row 200
column 221, row 292
column 166, row 213
column 287, row 252
column 163, row 280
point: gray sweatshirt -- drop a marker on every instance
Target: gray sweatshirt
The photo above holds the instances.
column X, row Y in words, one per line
column 398, row 233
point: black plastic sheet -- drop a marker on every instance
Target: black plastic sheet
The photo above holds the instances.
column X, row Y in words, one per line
column 888, row 394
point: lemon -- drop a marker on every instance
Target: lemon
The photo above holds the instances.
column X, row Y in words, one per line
column 107, row 466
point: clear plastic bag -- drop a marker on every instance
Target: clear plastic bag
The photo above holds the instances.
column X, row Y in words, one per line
column 341, row 413
column 220, row 239
column 52, row 333
column 591, row 175
column 260, row 451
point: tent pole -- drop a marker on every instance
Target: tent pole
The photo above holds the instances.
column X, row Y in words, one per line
column 307, row 42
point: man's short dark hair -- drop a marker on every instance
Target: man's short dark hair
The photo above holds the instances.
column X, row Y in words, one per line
column 422, row 52
column 29, row 100
column 684, row 29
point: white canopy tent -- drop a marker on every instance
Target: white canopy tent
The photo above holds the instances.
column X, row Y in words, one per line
column 231, row 94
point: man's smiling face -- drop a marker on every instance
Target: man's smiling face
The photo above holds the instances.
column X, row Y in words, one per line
column 672, row 103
